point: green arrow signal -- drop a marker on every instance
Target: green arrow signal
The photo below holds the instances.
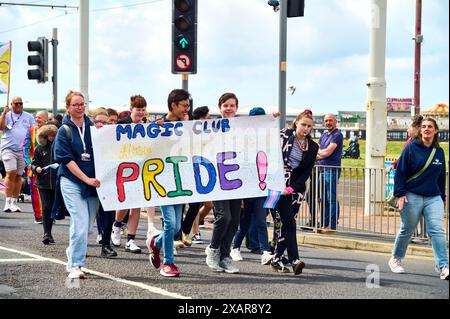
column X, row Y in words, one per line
column 184, row 43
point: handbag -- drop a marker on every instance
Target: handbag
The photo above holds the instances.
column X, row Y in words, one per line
column 391, row 200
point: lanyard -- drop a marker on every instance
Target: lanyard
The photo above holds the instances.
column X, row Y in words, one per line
column 12, row 118
column 81, row 132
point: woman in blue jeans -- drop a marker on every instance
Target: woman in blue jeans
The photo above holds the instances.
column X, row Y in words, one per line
column 422, row 195
column 73, row 150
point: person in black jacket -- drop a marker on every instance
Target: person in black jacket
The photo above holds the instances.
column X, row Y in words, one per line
column 299, row 155
column 46, row 177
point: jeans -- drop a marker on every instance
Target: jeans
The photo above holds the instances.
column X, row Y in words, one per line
column 256, row 213
column 82, row 215
column 329, row 182
column 432, row 209
column 172, row 223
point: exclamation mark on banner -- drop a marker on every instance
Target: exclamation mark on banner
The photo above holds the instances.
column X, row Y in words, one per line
column 261, row 164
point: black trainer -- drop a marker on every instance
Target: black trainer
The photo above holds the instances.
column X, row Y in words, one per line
column 277, row 266
column 46, row 239
column 297, row 267
column 108, row 252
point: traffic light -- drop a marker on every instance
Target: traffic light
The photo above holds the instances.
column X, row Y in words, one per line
column 184, row 37
column 40, row 60
column 295, row 8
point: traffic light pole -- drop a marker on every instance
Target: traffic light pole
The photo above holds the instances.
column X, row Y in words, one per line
column 84, row 50
column 283, row 63
column 185, row 82
column 55, row 71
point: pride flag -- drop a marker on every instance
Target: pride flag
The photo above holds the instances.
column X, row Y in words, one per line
column 54, row 166
column 5, row 66
column 272, row 198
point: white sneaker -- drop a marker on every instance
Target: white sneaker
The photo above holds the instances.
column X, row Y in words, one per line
column 115, row 236
column 132, row 247
column 228, row 266
column 76, row 273
column 213, row 259
column 266, row 258
column 396, row 265
column 153, row 232
column 7, row 208
column 14, row 207
column 235, row 254
column 99, row 239
column 443, row 273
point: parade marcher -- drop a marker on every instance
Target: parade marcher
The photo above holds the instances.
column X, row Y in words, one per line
column 29, row 144
column 226, row 212
column 105, row 219
column 253, row 212
column 299, row 155
column 45, row 173
column 14, row 124
column 138, row 104
column 178, row 103
column 73, row 150
column 419, row 186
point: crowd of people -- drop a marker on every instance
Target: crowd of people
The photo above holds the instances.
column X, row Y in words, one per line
column 56, row 155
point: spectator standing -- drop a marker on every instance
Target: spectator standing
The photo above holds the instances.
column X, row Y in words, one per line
column 329, row 156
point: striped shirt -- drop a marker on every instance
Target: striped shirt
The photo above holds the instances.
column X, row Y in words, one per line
column 296, row 155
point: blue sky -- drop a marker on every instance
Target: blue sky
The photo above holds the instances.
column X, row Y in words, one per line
column 130, row 52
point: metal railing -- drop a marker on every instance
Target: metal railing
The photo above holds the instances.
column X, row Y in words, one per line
column 355, row 213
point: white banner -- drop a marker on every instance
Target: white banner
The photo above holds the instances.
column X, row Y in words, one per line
column 146, row 165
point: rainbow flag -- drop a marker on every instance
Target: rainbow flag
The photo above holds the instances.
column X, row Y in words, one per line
column 5, row 65
column 272, row 199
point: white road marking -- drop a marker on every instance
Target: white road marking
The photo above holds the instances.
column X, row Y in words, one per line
column 18, row 260
column 143, row 286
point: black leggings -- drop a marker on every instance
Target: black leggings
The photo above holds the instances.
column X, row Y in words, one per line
column 105, row 222
column 47, row 198
column 286, row 237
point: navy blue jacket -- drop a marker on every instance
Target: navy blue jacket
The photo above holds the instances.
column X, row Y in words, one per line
column 429, row 183
column 68, row 149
